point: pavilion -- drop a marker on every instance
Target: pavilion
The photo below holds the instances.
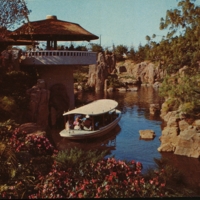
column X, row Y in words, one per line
column 54, row 66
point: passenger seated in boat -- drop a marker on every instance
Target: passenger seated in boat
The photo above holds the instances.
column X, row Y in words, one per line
column 69, row 125
column 87, row 124
column 77, row 124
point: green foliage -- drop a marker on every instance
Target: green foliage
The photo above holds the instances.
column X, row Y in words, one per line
column 13, row 99
column 96, row 47
column 8, row 162
column 81, row 48
column 77, row 157
column 114, row 82
column 6, row 130
column 12, row 13
column 119, row 51
column 132, row 54
column 182, row 93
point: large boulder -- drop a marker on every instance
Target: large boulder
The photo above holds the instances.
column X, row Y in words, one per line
column 147, row 134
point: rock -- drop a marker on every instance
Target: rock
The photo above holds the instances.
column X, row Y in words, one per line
column 154, row 108
column 98, row 73
column 146, row 71
column 165, row 148
column 39, row 99
column 147, row 134
column 121, row 89
column 172, row 122
column 169, row 115
column 32, row 129
column 157, row 84
column 133, row 89
column 183, row 125
column 110, row 89
column 179, row 136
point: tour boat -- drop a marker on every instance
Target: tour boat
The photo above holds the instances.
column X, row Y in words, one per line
column 101, row 114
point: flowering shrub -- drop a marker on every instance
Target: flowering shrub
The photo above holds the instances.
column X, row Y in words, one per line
column 47, row 174
column 35, row 145
column 108, row 178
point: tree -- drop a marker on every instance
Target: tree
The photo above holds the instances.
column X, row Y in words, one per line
column 120, row 50
column 13, row 12
column 181, row 50
column 96, row 47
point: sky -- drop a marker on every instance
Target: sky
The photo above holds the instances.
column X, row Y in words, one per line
column 115, row 22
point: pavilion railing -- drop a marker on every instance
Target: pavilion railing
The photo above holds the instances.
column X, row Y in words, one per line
column 59, row 57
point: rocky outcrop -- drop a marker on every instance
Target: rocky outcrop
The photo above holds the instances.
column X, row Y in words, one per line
column 145, row 72
column 38, row 109
column 179, row 136
column 98, row 73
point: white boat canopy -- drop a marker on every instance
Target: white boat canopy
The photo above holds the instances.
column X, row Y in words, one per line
column 95, row 108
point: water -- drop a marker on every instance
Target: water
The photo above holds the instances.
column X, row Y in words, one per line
column 124, row 142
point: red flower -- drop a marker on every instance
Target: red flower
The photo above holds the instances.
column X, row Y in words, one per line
column 110, row 178
column 94, row 180
column 80, row 195
column 107, row 187
column 99, row 189
column 162, row 184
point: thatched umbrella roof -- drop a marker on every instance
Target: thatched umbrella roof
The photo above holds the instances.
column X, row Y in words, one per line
column 9, row 41
column 6, row 41
column 52, row 29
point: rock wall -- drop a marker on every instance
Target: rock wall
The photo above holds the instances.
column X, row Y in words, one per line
column 145, row 72
column 180, row 136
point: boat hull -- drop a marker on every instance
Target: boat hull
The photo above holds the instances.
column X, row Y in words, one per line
column 84, row 134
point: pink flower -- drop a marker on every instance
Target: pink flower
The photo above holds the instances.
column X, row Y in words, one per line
column 97, row 196
column 80, row 195
column 110, row 178
column 151, row 182
column 162, row 184
column 99, row 190
column 142, row 181
column 94, row 180
column 83, row 187
column 107, row 187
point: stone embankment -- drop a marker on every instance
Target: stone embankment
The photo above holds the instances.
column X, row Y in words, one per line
column 180, row 135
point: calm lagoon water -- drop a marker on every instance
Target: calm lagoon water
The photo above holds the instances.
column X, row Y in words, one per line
column 124, row 142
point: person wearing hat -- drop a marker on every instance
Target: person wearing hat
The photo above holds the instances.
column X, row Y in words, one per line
column 87, row 124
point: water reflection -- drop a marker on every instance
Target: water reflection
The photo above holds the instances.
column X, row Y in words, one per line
column 105, row 143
